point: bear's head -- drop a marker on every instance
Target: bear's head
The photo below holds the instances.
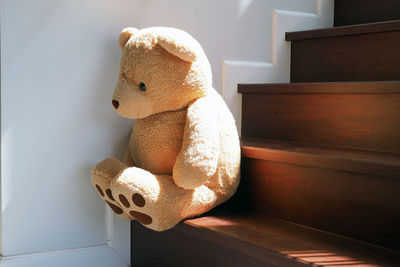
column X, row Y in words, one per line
column 162, row 69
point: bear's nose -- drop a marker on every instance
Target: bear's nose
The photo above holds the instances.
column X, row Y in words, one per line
column 115, row 103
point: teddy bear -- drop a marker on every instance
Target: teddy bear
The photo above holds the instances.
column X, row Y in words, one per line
column 183, row 156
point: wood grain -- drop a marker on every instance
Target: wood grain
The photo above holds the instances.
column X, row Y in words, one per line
column 355, row 161
column 377, row 87
column 356, row 205
column 365, row 57
column 186, row 245
column 250, row 240
column 355, row 121
column 365, row 11
column 294, row 241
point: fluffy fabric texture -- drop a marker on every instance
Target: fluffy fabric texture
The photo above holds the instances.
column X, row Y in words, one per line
column 183, row 156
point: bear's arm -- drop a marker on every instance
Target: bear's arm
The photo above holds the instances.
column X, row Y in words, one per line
column 198, row 159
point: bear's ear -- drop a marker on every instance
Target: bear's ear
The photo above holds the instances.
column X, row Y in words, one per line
column 125, row 35
column 181, row 46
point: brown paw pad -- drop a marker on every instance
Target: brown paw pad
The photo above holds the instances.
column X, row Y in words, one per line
column 141, row 217
column 109, row 194
column 138, row 199
column 116, row 209
column 124, row 201
column 99, row 190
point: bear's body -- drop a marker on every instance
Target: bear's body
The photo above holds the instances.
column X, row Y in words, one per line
column 183, row 156
column 156, row 141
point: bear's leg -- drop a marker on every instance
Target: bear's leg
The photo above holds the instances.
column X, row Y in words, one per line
column 102, row 175
column 156, row 201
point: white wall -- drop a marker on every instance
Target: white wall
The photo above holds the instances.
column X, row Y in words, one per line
column 59, row 64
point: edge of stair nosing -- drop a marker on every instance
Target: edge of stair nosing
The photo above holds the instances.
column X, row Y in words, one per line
column 373, row 87
column 337, row 159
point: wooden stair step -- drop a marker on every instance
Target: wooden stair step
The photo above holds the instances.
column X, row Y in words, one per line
column 354, row 115
column 253, row 240
column 346, row 160
column 364, row 52
column 348, row 192
column 365, row 11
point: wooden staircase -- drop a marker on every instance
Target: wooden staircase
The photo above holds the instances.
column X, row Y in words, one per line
column 320, row 159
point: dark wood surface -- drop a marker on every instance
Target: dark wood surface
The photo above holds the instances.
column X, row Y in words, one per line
column 365, row 57
column 309, row 155
column 187, row 245
column 295, row 241
column 250, row 240
column 377, row 87
column 376, row 27
column 349, row 12
column 360, row 206
column 368, row 121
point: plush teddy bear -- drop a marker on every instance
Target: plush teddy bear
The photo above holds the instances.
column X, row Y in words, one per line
column 183, row 156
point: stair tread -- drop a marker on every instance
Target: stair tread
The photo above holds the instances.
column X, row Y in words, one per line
column 295, row 242
column 368, row 87
column 386, row 26
column 350, row 160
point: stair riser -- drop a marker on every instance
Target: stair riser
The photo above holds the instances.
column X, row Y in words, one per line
column 358, row 121
column 365, row 11
column 363, row 57
column 355, row 205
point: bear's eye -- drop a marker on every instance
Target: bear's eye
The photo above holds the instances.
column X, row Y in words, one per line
column 142, row 86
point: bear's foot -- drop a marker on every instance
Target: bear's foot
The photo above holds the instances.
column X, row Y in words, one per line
column 154, row 200
column 102, row 175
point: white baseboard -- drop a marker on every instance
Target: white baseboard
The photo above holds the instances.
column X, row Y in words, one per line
column 277, row 69
column 119, row 235
column 99, row 256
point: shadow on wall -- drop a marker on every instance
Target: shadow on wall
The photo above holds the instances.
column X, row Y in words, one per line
column 101, row 109
column 113, row 130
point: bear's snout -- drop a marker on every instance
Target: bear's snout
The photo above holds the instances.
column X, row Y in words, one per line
column 115, row 103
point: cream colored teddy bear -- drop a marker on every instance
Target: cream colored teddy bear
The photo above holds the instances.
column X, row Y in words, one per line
column 183, row 156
